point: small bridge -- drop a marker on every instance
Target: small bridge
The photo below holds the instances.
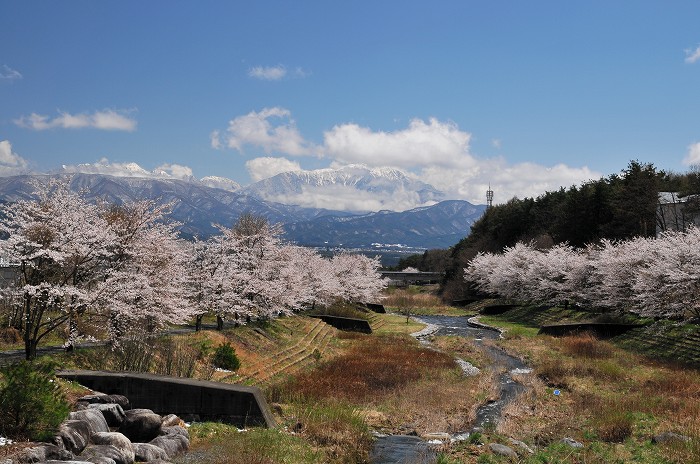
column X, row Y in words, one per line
column 400, row 278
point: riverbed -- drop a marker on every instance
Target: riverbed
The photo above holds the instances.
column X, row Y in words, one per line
column 395, row 449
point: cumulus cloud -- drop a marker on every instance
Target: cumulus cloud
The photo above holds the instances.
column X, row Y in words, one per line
column 693, row 156
column 349, row 198
column 506, row 180
column 271, row 129
column 8, row 73
column 11, row 164
column 691, row 56
column 434, row 151
column 175, row 171
column 104, row 120
column 423, row 143
column 268, row 73
column 262, row 168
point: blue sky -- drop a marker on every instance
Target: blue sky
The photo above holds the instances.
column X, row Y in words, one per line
column 525, row 96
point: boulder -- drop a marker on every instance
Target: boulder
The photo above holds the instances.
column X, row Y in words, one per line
column 171, row 420
column 116, row 439
column 173, row 444
column 73, row 435
column 42, row 453
column 503, row 450
column 147, row 452
column 669, row 437
column 571, row 442
column 141, row 425
column 175, row 430
column 121, row 400
column 102, row 460
column 112, row 412
column 53, row 461
column 521, row 445
column 94, row 418
column 104, row 454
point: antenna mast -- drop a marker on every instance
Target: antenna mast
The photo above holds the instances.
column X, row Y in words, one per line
column 489, row 197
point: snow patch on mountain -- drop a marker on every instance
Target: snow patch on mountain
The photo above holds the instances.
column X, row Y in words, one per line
column 349, row 188
column 220, row 183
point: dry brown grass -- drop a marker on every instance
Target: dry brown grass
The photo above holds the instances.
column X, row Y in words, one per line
column 402, row 299
column 399, row 385
column 607, row 394
column 585, row 345
column 372, row 366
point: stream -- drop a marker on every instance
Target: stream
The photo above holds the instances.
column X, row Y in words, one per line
column 396, row 449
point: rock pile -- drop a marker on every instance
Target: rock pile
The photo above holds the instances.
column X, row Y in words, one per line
column 105, row 430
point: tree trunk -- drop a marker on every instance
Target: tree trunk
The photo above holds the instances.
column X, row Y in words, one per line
column 219, row 323
column 198, row 322
column 30, row 348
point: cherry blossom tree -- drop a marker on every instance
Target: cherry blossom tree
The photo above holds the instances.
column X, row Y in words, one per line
column 668, row 282
column 77, row 259
column 60, row 244
column 146, row 283
column 652, row 277
column 358, row 277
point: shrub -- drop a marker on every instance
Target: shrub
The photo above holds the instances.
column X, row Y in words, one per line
column 176, row 357
column 32, row 404
column 10, row 335
column 225, row 358
column 586, row 345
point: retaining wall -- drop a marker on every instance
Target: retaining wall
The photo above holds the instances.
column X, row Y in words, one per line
column 345, row 323
column 190, row 399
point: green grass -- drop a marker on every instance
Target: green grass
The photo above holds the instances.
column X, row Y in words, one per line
column 612, row 399
column 216, row 443
column 511, row 329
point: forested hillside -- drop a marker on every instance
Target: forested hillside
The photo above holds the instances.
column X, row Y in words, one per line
column 617, row 207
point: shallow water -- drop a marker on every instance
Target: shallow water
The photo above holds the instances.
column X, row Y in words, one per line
column 394, row 449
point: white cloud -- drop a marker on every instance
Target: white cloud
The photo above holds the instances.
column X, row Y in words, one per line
column 496, row 143
column 175, row 171
column 215, row 138
column 691, row 56
column 277, row 73
column 349, row 198
column 301, row 72
column 507, row 181
column 432, row 143
column 104, row 120
column 436, row 152
column 257, row 129
column 262, row 168
column 268, row 73
column 693, row 156
column 8, row 73
column 11, row 164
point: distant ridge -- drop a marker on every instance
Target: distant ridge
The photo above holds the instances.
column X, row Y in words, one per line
column 199, row 207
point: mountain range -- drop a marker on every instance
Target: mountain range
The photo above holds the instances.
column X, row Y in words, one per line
column 201, row 204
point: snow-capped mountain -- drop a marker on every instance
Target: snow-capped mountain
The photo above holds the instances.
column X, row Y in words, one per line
column 198, row 208
column 220, row 183
column 437, row 226
column 350, row 188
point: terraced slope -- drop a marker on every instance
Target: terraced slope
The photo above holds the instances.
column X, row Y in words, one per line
column 665, row 340
column 314, row 343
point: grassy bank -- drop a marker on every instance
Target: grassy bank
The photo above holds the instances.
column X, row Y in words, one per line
column 610, row 398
